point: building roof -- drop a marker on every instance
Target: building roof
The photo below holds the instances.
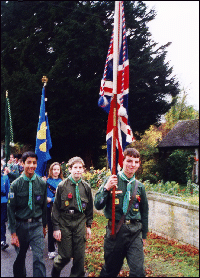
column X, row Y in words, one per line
column 183, row 134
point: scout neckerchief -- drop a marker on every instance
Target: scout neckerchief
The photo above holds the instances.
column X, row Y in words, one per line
column 127, row 195
column 78, row 198
column 30, row 200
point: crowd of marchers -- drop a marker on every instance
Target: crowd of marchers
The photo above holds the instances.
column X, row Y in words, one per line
column 31, row 203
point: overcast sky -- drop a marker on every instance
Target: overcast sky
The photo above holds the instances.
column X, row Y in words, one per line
column 178, row 22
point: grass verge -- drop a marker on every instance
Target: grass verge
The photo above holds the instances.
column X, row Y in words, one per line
column 163, row 258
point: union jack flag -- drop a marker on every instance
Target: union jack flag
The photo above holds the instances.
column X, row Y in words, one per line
column 124, row 132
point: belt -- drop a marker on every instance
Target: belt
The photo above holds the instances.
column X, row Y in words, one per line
column 127, row 222
column 29, row 220
column 72, row 211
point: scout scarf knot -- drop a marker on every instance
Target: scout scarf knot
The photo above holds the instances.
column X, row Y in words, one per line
column 78, row 198
column 127, row 195
column 30, row 200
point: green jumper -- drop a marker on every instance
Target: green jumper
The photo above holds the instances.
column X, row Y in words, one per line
column 28, row 224
column 72, row 220
column 128, row 242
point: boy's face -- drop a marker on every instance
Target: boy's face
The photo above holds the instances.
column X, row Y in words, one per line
column 30, row 166
column 130, row 165
column 77, row 170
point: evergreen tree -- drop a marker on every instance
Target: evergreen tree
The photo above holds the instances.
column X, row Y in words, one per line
column 68, row 41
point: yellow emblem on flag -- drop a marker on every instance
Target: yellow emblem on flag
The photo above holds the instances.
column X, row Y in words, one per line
column 41, row 134
column 43, row 147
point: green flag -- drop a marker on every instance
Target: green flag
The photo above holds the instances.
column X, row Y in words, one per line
column 8, row 129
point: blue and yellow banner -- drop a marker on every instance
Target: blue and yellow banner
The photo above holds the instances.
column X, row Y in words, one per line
column 43, row 139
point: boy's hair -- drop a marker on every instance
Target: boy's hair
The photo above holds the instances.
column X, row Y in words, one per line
column 74, row 160
column 131, row 152
column 51, row 170
column 29, row 154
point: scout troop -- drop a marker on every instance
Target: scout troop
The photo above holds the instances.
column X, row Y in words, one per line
column 72, row 216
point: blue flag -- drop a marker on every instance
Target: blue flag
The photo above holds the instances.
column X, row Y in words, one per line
column 43, row 139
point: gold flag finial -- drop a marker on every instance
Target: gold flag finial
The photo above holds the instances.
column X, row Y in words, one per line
column 6, row 93
column 44, row 80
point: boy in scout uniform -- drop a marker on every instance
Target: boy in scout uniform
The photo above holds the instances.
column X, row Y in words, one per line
column 132, row 234
column 72, row 217
column 27, row 204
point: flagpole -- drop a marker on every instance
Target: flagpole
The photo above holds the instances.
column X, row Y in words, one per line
column 7, row 131
column 115, row 117
column 45, row 80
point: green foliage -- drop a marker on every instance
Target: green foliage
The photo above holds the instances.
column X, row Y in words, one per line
column 161, row 187
column 180, row 111
column 65, row 169
column 189, row 193
column 152, row 178
column 96, row 177
column 178, row 167
column 68, row 42
column 189, row 168
column 147, row 146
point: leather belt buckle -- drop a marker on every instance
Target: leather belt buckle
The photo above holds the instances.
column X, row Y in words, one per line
column 71, row 211
column 30, row 220
column 127, row 221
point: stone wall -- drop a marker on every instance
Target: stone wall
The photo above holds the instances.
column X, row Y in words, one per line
column 172, row 218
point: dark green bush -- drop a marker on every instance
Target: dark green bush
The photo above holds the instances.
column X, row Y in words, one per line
column 178, row 166
column 150, row 177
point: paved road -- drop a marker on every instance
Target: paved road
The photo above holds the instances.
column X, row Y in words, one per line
column 8, row 257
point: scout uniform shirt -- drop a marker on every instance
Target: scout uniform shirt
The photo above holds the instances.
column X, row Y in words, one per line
column 65, row 200
column 138, row 210
column 18, row 201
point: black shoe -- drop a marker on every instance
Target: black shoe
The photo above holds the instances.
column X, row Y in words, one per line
column 55, row 272
column 4, row 245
